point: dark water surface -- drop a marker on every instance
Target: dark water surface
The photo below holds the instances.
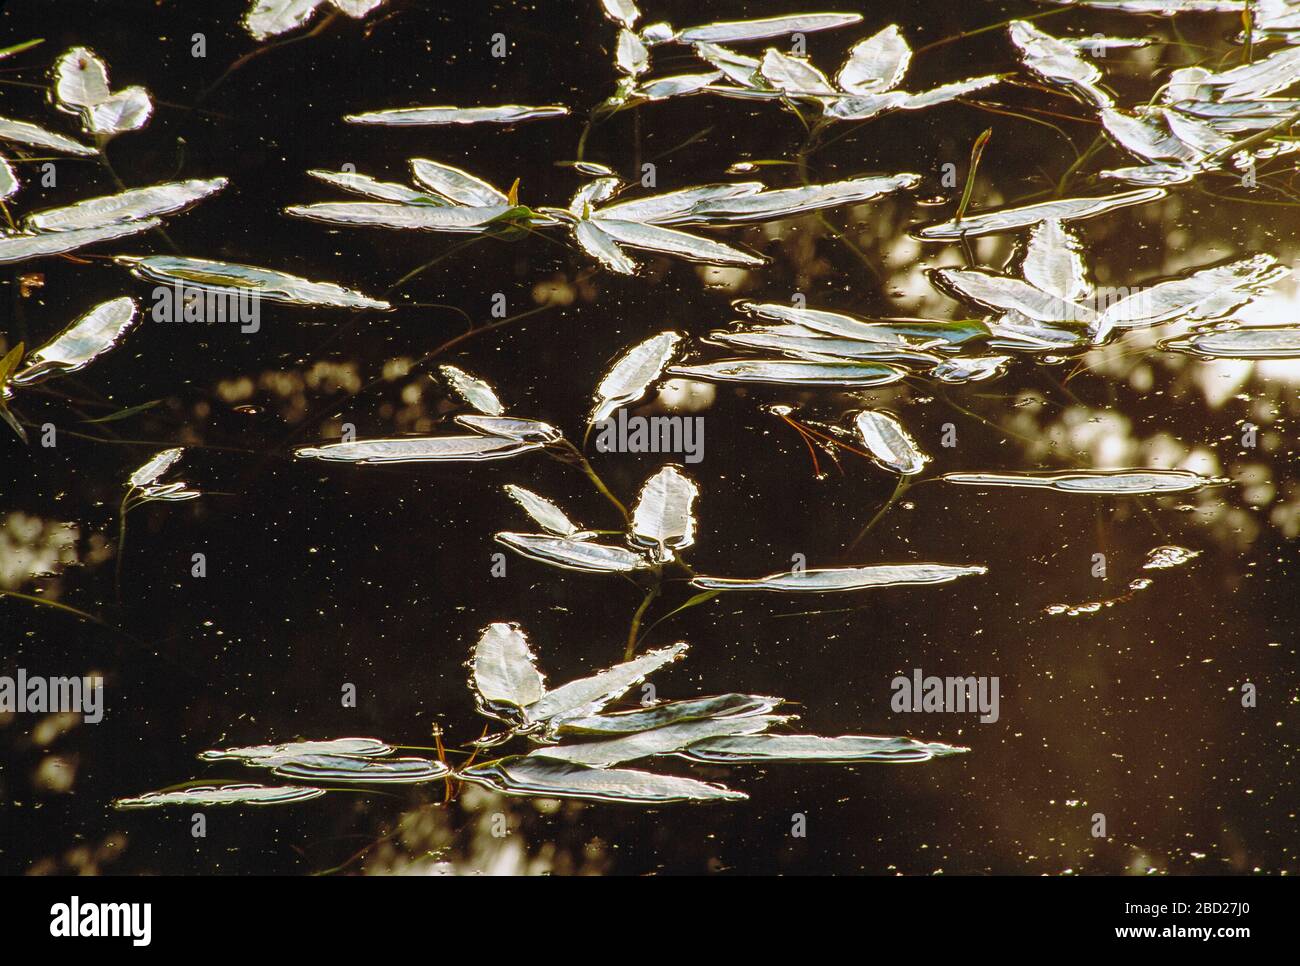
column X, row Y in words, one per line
column 322, row 575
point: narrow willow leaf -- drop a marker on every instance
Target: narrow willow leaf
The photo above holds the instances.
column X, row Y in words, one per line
column 1209, row 293
column 202, row 796
column 1016, row 331
column 152, row 471
column 876, row 64
column 863, row 107
column 1276, row 72
column 623, row 12
column 473, row 390
column 9, row 183
column 231, row 277
column 663, row 519
column 1097, row 482
column 344, row 769
column 667, row 740
column 547, row 778
column 422, row 116
column 547, row 515
column 634, row 372
column 574, row 554
column 835, row 579
column 762, row 749
column 362, row 184
column 1146, row 139
column 793, row 372
column 741, row 30
column 1006, row 294
column 80, row 343
column 594, row 193
column 261, row 755
column 836, row 324
column 18, row 248
column 383, row 215
column 1161, row 175
column 678, row 85
column 1054, row 262
column 1201, row 137
column 1265, row 342
column 267, row 18
column 512, row 427
column 669, row 241
column 504, row 672
column 1057, row 62
column 587, row 696
column 738, row 68
column 674, row 207
column 631, row 57
column 24, row 133
column 786, row 202
column 1009, row 219
column 970, row 369
column 668, row 713
column 159, row 199
column 947, row 92
column 793, row 75
column 418, row 449
column 456, row 185
column 802, row 343
column 889, row 442
column 602, row 247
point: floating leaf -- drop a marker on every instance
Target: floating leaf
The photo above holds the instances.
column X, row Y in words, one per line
column 793, row 373
column 1146, row 139
column 678, row 85
column 1009, row 219
column 81, row 87
column 970, row 369
column 889, row 443
column 622, row 12
column 151, row 471
column 1057, row 62
column 546, row 777
column 9, row 183
column 473, row 390
column 631, row 57
column 80, row 343
column 1096, row 482
column 267, row 18
column 793, row 75
column 876, row 64
column 362, row 184
column 505, row 674
column 668, row 241
column 456, row 185
column 1054, row 262
column 420, row 217
column 549, row 516
column 663, row 519
column 1007, row 294
column 416, row 116
column 1263, row 342
column 801, row 343
column 764, row 749
column 673, row 207
column 741, row 30
column 1169, row 557
column 634, row 372
column 159, row 199
column 666, row 740
column 260, row 755
column 1209, row 293
column 668, row 713
column 266, row 283
column 786, row 202
column 17, row 248
column 602, row 247
column 512, row 427
column 418, row 449
column 24, row 133
column 573, row 554
column 911, row 333
column 836, row 579
column 201, row 796
column 587, row 696
column 345, row 769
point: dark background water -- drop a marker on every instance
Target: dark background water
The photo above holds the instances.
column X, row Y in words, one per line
column 320, row 576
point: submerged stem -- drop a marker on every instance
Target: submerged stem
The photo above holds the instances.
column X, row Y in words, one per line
column 633, row 632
